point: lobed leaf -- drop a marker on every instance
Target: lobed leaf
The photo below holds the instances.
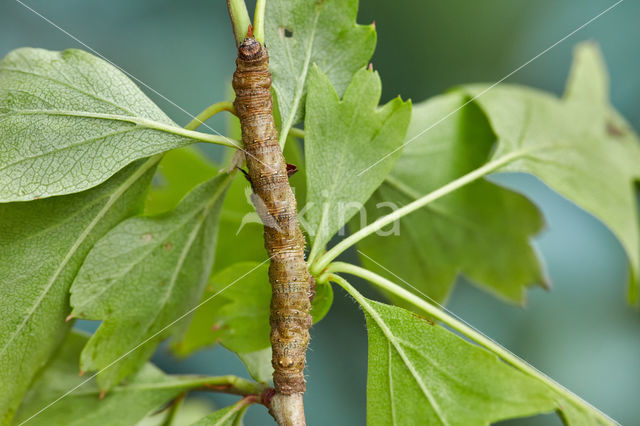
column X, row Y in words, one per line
column 411, row 359
column 342, row 137
column 418, row 370
column 142, row 276
column 300, row 33
column 70, row 120
column 42, row 246
column 146, row 391
column 579, row 146
column 481, row 230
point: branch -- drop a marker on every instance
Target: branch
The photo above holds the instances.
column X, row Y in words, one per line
column 287, row 410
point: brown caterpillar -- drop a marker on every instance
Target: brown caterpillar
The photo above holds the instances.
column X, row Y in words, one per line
column 290, row 279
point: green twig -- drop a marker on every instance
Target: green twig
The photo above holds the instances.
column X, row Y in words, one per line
column 210, row 112
column 491, row 166
column 239, row 19
column 173, row 410
column 297, row 133
column 455, row 324
column 258, row 21
column 225, row 384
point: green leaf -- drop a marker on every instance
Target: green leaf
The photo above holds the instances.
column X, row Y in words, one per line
column 301, row 33
column 70, row 120
column 433, row 356
column 578, row 145
column 229, row 416
column 42, row 246
column 190, row 410
column 235, row 313
column 241, row 233
column 481, row 230
column 147, row 391
column 343, row 137
column 142, row 276
column 322, row 301
column 179, row 171
column 258, row 364
column 418, row 370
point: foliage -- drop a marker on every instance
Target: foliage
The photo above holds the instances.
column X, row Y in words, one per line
column 452, row 235
column 344, row 136
column 79, row 134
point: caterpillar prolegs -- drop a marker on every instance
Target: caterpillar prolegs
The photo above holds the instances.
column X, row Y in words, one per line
column 276, row 206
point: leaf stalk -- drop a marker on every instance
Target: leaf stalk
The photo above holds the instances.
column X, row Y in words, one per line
column 322, row 262
column 210, row 112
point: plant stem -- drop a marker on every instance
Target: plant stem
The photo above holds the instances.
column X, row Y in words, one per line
column 457, row 325
column 173, row 410
column 317, row 267
column 258, row 21
column 210, row 112
column 225, row 384
column 295, row 132
column 239, row 19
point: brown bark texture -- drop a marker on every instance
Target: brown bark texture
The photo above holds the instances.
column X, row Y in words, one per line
column 276, row 205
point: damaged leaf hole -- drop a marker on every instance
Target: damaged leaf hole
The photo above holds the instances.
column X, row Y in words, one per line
column 286, row 32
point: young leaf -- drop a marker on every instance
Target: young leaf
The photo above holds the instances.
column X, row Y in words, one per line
column 301, row 33
column 143, row 275
column 42, row 246
column 70, row 120
column 148, row 390
column 419, row 370
column 579, row 146
column 343, row 137
column 229, row 416
column 481, row 230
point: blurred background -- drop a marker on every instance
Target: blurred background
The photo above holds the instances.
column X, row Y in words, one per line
column 582, row 333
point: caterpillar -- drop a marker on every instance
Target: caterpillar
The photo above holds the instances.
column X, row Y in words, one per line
column 290, row 280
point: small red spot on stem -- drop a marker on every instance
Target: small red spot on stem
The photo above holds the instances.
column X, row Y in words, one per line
column 250, row 31
column 291, row 169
